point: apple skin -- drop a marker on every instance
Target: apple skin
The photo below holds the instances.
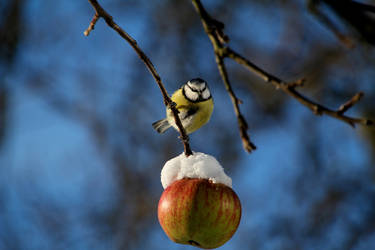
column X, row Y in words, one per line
column 198, row 212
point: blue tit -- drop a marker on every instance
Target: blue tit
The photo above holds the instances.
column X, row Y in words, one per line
column 194, row 103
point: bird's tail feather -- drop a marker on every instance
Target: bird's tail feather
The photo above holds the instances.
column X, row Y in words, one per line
column 161, row 126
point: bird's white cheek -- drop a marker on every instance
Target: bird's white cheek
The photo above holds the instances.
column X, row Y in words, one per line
column 191, row 94
column 206, row 94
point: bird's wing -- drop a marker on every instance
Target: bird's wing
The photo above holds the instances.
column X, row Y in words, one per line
column 186, row 111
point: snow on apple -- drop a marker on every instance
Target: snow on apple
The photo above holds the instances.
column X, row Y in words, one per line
column 198, row 165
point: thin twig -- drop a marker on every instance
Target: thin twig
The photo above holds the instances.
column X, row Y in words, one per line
column 242, row 124
column 344, row 107
column 214, row 30
column 92, row 24
column 298, row 83
column 223, row 51
column 100, row 12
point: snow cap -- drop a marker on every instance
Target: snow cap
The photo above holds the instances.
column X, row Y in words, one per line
column 198, row 165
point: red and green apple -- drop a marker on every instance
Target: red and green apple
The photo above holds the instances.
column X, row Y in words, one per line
column 199, row 212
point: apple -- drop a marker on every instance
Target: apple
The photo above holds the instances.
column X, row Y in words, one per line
column 198, row 212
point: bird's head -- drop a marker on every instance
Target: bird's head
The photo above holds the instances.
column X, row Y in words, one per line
column 196, row 90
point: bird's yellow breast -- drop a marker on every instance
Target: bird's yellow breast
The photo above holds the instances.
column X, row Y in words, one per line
column 203, row 111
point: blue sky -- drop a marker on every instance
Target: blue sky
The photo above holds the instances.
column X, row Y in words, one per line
column 52, row 159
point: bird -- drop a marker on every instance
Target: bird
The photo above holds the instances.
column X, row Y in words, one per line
column 195, row 105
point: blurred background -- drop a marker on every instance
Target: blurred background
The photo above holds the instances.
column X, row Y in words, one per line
column 80, row 163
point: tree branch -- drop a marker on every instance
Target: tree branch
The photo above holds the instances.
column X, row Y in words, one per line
column 365, row 7
column 290, row 89
column 101, row 13
column 325, row 20
column 223, row 51
column 242, row 124
column 357, row 15
column 214, row 30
